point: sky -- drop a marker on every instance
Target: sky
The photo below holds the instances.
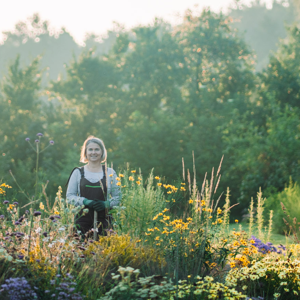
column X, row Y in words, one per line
column 97, row 16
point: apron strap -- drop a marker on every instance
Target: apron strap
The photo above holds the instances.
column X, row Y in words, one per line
column 81, row 169
column 81, row 172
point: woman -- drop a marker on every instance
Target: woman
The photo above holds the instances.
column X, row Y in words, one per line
column 93, row 186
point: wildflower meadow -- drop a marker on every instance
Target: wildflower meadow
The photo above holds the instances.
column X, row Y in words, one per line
column 168, row 241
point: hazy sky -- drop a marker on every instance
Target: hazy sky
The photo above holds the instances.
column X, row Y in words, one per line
column 97, row 16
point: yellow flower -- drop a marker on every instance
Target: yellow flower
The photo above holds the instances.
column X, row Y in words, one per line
column 56, row 213
column 159, row 184
column 110, row 175
column 236, row 221
column 11, row 206
column 123, row 186
column 118, row 178
column 191, row 201
column 276, row 295
column 42, row 206
column 138, row 182
column 121, row 175
column 156, row 177
column 133, row 171
column 131, row 178
column 118, row 183
column 169, row 192
column 182, row 189
column 182, row 183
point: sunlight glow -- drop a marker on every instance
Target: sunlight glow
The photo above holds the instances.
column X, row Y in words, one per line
column 96, row 16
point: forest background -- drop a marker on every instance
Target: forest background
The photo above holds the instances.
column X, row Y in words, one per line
column 215, row 84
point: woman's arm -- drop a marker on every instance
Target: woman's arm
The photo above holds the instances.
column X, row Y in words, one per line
column 113, row 189
column 73, row 191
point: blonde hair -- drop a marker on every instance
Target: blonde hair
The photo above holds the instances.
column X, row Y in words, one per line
column 92, row 139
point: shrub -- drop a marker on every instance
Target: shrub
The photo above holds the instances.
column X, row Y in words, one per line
column 290, row 197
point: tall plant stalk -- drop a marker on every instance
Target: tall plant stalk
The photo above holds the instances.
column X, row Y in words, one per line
column 36, row 170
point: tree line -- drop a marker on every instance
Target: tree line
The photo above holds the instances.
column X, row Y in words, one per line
column 158, row 94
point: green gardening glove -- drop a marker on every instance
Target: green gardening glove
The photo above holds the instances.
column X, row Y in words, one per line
column 97, row 205
column 101, row 205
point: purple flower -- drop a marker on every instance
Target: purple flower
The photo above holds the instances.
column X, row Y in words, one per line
column 37, row 141
column 27, row 139
column 5, row 202
column 15, row 287
column 51, row 142
column 37, row 213
column 16, row 203
column 38, row 260
column 45, row 234
column 1, row 216
column 52, row 218
column 39, row 134
column 20, row 256
column 26, row 211
column 17, row 223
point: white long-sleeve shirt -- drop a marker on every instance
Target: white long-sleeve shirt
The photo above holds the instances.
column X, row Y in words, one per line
column 113, row 190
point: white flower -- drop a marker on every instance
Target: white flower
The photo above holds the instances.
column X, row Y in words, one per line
column 38, row 230
column 50, row 245
column 61, row 241
column 62, row 228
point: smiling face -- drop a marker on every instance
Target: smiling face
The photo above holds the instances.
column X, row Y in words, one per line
column 93, row 153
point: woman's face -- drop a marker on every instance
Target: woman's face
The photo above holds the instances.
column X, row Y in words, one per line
column 93, row 152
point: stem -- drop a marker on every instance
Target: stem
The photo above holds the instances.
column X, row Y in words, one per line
column 29, row 242
column 18, row 185
column 36, row 169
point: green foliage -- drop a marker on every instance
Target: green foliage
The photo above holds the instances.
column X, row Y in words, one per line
column 289, row 197
column 141, row 200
